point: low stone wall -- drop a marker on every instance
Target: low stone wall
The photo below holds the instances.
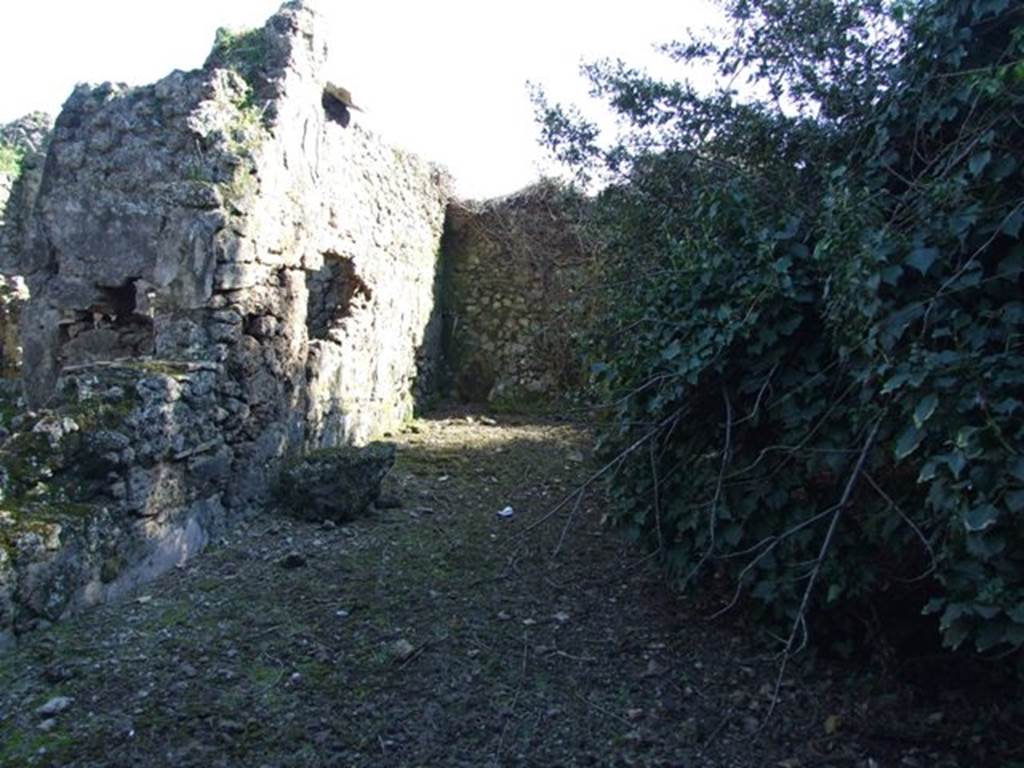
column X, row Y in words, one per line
column 119, row 483
column 517, row 298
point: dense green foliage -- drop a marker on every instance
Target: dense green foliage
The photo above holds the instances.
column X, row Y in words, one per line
column 814, row 371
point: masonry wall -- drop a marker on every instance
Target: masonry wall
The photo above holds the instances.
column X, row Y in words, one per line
column 192, row 220
column 24, row 144
column 237, row 272
column 518, row 295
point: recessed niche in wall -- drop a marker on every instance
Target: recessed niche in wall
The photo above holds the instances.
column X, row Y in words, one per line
column 335, row 292
column 108, row 329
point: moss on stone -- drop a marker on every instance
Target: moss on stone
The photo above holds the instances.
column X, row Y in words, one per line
column 244, row 51
column 27, row 461
column 334, row 483
column 45, row 483
column 11, row 159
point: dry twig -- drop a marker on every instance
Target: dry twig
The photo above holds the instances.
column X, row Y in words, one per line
column 800, row 622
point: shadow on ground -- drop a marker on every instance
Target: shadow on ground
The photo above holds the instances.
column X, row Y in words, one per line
column 438, row 633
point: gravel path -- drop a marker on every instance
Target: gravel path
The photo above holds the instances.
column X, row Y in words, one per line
column 440, row 633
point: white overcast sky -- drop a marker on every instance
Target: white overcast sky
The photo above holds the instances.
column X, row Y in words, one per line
column 444, row 78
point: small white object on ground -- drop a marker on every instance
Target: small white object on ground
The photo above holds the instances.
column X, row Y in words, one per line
column 506, row 512
column 55, row 706
column 403, row 649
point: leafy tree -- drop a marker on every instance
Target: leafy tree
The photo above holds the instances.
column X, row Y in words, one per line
column 813, row 372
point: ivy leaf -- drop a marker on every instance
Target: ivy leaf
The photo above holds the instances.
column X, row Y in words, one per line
column 990, row 634
column 908, row 442
column 956, row 461
column 955, row 634
column 965, row 438
column 1006, row 407
column 671, row 352
column 991, row 7
column 980, row 518
column 1012, row 265
column 925, row 409
column 1013, row 224
column 891, row 274
column 986, row 547
column 934, row 605
column 978, row 161
column 1015, row 500
column 922, row 259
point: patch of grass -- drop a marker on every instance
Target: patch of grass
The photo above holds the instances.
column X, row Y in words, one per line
column 244, row 51
column 18, row 746
column 174, row 615
column 265, row 677
column 196, row 172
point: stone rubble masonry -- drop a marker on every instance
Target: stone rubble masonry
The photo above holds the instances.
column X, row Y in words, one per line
column 25, row 139
column 13, row 295
column 200, row 218
column 519, row 278
column 262, row 270
column 118, row 482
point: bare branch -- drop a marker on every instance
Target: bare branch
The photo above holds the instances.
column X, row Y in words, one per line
column 619, row 458
column 913, row 526
column 800, row 623
column 713, row 512
column 657, row 498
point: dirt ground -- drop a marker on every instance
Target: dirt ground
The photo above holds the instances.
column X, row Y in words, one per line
column 437, row 632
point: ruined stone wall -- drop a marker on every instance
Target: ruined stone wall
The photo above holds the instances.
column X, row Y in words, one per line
column 517, row 300
column 13, row 295
column 23, row 146
column 220, row 215
column 253, row 273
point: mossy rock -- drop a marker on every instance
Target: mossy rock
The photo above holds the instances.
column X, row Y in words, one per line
column 244, row 51
column 335, row 484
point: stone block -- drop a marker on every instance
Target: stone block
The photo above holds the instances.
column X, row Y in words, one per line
column 336, row 484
